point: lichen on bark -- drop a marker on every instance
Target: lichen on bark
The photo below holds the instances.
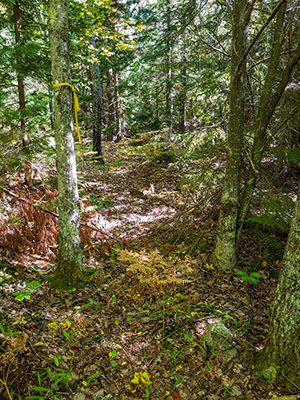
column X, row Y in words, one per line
column 69, row 262
column 282, row 347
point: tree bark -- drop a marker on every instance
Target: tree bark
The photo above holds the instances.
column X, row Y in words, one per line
column 21, row 89
column 270, row 97
column 97, row 108
column 120, row 134
column 110, row 104
column 224, row 255
column 282, row 346
column 183, row 94
column 169, row 100
column 69, row 263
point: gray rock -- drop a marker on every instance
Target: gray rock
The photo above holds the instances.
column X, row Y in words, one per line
column 219, row 339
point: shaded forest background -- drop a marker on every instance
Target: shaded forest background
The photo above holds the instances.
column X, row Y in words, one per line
column 181, row 104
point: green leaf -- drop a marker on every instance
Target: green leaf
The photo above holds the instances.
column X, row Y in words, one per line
column 245, row 278
column 2, row 329
column 113, row 353
column 241, row 273
column 113, row 363
column 255, row 275
column 56, row 361
column 253, row 280
column 41, row 389
column 66, row 335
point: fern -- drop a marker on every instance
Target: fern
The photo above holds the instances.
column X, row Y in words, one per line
column 155, row 269
column 277, row 212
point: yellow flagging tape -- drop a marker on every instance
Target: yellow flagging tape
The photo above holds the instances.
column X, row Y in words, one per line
column 76, row 104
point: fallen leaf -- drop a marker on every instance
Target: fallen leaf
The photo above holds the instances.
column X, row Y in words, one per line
column 176, row 395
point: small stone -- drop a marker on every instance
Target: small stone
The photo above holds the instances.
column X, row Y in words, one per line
column 219, row 338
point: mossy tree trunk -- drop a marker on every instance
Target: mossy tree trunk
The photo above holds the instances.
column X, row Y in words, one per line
column 69, row 262
column 235, row 206
column 224, row 255
column 273, row 89
column 282, row 346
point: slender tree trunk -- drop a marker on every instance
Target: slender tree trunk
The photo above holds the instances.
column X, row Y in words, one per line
column 182, row 125
column 110, row 103
column 271, row 95
column 120, row 134
column 169, row 100
column 282, row 346
column 97, row 108
column 224, row 255
column 21, row 89
column 69, row 251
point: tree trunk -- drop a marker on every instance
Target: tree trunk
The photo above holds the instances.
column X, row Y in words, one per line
column 120, row 134
column 224, row 255
column 182, row 124
column 20, row 79
column 97, row 108
column 69, row 263
column 271, row 95
column 282, row 346
column 110, row 104
column 169, row 100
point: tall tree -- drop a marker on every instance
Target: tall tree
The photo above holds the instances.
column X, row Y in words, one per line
column 224, row 255
column 97, row 106
column 235, row 204
column 282, row 348
column 69, row 264
column 21, row 90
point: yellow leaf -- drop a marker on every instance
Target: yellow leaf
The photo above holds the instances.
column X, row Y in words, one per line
column 144, row 377
column 52, row 325
column 167, row 393
column 136, row 378
column 178, row 367
column 139, row 333
column 124, row 363
column 118, row 346
column 84, row 383
column 39, row 344
column 102, row 332
column 65, row 325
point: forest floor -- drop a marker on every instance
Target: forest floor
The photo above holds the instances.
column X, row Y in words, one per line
column 135, row 327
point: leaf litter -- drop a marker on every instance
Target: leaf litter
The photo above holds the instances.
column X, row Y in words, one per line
column 135, row 327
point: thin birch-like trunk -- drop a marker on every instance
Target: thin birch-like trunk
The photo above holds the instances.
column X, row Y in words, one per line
column 69, row 263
